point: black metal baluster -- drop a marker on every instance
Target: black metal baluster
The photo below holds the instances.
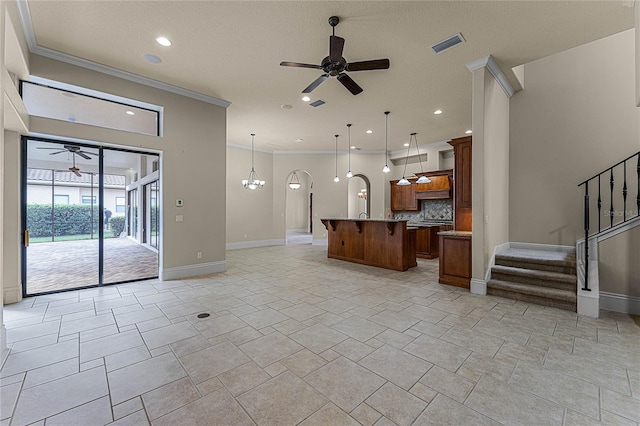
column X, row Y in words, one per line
column 586, row 237
column 624, row 194
column 599, row 204
column 611, row 182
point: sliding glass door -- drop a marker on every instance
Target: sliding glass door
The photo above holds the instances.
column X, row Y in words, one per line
column 80, row 216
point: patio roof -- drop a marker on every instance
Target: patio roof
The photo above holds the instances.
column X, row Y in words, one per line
column 63, row 176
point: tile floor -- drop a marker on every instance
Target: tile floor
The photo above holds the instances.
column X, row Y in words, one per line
column 295, row 338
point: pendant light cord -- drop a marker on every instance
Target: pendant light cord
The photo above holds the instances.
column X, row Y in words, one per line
column 406, row 160
column 415, row 138
column 337, row 154
column 386, row 137
column 252, row 136
column 349, row 147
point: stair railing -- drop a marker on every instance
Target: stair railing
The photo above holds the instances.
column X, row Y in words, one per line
column 611, row 212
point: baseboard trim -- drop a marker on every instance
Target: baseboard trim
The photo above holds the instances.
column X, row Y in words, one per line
column 545, row 247
column 324, row 242
column 298, row 231
column 478, row 286
column 254, row 244
column 620, row 303
column 4, row 352
column 497, row 249
column 186, row 271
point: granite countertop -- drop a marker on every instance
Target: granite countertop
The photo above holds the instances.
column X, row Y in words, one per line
column 427, row 224
column 456, row 233
column 365, row 220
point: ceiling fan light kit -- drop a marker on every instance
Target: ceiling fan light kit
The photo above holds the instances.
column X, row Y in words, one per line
column 335, row 65
column 253, row 182
column 73, row 150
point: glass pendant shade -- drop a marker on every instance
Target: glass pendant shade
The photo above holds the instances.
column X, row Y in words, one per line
column 294, row 183
column 252, row 182
column 386, row 169
column 336, row 179
column 423, row 179
column 349, row 174
column 403, row 182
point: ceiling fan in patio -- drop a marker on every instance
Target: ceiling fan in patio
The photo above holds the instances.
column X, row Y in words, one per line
column 73, row 150
column 335, row 65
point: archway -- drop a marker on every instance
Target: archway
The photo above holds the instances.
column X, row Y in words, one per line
column 359, row 197
column 299, row 207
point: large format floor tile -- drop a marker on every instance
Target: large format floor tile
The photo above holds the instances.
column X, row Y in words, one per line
column 294, row 338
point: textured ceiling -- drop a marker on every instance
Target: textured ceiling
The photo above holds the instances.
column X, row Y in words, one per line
column 232, row 50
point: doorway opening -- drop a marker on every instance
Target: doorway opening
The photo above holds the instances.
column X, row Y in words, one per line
column 359, row 197
column 80, row 216
column 299, row 208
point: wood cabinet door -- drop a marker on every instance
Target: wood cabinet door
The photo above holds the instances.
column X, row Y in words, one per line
column 463, row 175
column 409, row 197
column 397, row 203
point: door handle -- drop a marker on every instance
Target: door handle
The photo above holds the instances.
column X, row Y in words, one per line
column 26, row 238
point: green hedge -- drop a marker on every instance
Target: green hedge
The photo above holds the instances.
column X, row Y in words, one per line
column 117, row 225
column 68, row 219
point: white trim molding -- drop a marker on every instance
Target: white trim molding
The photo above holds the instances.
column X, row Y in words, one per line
column 478, row 286
column 254, row 244
column 620, row 303
column 323, row 242
column 545, row 247
column 27, row 26
column 186, row 271
column 491, row 64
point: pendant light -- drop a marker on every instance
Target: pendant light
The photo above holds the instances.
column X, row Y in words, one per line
column 422, row 178
column 336, row 179
column 253, row 182
column 294, row 183
column 349, row 174
column 404, row 181
column 386, row 168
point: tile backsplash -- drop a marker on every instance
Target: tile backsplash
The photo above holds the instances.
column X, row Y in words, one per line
column 430, row 210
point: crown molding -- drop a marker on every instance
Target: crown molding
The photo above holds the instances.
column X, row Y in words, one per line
column 489, row 63
column 34, row 48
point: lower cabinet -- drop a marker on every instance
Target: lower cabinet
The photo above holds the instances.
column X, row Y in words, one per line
column 455, row 259
column 427, row 241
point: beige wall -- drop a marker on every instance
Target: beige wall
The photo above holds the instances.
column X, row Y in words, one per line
column 297, row 212
column 618, row 268
column 490, row 181
column 249, row 212
column 193, row 149
column 576, row 117
column 3, row 332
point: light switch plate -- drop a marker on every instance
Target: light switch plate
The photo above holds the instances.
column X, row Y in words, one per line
column 179, row 218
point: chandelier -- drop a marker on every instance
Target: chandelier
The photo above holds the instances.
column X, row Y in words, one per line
column 253, row 182
column 294, row 183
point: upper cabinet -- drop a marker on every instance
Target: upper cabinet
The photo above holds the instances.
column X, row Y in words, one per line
column 403, row 197
column 462, row 183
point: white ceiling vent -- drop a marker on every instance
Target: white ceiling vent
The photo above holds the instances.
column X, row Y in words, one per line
column 317, row 103
column 448, row 43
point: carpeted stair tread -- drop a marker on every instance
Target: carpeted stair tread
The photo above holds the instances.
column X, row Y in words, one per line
column 538, row 256
column 534, row 274
column 532, row 290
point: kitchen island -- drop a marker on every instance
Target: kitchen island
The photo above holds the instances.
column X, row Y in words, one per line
column 384, row 243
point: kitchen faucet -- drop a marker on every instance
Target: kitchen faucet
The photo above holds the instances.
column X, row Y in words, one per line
column 366, row 216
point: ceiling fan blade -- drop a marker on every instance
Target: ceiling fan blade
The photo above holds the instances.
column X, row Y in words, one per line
column 58, row 152
column 42, row 147
column 348, row 82
column 375, row 64
column 315, row 83
column 336, row 44
column 83, row 155
column 299, row 65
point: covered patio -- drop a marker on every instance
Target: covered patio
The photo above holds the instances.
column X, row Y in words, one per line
column 64, row 265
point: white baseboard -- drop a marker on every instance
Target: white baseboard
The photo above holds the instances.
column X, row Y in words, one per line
column 4, row 352
column 12, row 295
column 620, row 303
column 298, row 231
column 478, row 286
column 254, row 244
column 324, row 242
column 545, row 247
column 186, row 271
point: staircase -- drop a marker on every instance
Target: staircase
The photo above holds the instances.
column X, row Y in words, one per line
column 545, row 278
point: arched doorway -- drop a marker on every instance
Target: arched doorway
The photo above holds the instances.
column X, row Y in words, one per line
column 359, row 197
column 299, row 207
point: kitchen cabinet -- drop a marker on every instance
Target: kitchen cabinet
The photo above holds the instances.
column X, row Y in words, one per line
column 427, row 241
column 403, row 198
column 462, row 183
column 455, row 258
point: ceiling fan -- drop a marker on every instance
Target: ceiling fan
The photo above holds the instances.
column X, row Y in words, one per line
column 335, row 65
column 74, row 150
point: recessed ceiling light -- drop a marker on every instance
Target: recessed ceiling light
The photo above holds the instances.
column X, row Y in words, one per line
column 369, row 132
column 406, row 144
column 437, row 112
column 130, row 113
column 151, row 58
column 286, row 106
column 468, row 132
column 353, row 147
column 306, row 98
column 163, row 41
column 298, row 140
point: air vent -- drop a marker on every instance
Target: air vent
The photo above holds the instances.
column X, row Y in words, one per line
column 448, row 43
column 317, row 103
